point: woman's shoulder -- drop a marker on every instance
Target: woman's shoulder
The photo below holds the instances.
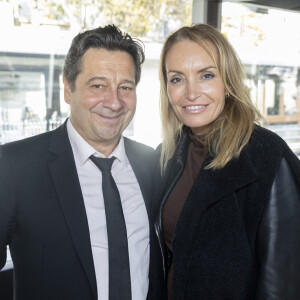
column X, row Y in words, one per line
column 264, row 134
column 266, row 149
column 266, row 141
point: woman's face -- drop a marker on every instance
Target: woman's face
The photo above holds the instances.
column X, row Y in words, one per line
column 194, row 85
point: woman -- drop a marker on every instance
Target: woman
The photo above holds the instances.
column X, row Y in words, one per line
column 228, row 215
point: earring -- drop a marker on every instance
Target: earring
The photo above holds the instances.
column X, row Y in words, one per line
column 226, row 95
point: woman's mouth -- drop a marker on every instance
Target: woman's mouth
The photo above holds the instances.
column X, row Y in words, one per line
column 195, row 108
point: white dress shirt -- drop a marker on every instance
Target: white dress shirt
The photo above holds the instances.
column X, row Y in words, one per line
column 134, row 209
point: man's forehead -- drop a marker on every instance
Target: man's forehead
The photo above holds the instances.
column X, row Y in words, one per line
column 108, row 59
column 106, row 70
column 112, row 63
column 107, row 54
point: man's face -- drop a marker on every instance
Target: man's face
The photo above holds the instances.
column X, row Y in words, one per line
column 104, row 99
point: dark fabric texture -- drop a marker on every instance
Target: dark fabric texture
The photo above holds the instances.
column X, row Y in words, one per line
column 43, row 218
column 217, row 254
column 176, row 199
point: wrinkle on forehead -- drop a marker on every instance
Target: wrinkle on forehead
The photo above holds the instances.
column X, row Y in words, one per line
column 109, row 65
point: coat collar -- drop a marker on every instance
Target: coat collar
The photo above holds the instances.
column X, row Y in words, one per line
column 237, row 173
column 210, row 185
column 66, row 182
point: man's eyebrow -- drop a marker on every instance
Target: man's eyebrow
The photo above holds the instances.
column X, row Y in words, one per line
column 128, row 81
column 95, row 78
column 199, row 71
column 105, row 79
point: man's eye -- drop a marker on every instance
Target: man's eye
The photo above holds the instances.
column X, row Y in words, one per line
column 126, row 88
column 98, row 86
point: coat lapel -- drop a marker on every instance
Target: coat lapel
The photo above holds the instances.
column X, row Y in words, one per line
column 210, row 187
column 65, row 178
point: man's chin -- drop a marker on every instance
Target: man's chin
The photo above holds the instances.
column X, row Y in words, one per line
column 109, row 135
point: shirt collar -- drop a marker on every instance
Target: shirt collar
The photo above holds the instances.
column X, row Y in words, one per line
column 83, row 150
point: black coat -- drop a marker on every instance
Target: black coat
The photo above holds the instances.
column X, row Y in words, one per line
column 43, row 218
column 238, row 235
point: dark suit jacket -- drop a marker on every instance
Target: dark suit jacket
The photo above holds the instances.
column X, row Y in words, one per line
column 43, row 218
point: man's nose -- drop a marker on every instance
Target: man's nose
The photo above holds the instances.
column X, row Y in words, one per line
column 113, row 100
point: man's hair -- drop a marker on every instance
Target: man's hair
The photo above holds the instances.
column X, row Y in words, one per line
column 231, row 131
column 109, row 38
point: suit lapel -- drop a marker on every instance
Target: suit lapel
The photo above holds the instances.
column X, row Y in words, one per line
column 141, row 169
column 66, row 182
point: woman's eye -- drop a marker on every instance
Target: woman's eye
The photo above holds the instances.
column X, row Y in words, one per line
column 175, row 80
column 208, row 76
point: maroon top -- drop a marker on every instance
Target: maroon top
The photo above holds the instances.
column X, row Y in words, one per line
column 174, row 204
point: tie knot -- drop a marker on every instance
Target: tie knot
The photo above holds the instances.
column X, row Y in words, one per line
column 104, row 164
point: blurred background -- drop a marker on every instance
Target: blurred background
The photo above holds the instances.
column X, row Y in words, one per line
column 35, row 36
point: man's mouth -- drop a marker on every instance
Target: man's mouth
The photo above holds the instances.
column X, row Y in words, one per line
column 110, row 118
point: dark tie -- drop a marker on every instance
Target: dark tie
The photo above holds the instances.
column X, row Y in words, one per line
column 119, row 271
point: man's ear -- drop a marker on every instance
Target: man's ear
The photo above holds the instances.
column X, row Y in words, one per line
column 67, row 90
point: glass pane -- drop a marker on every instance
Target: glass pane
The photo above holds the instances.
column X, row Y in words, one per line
column 270, row 55
column 40, row 33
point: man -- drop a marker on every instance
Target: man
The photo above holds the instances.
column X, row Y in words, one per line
column 52, row 207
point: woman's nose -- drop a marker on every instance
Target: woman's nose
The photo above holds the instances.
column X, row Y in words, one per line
column 193, row 91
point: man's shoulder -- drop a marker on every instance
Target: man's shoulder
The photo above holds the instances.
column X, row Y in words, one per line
column 137, row 146
column 33, row 145
column 138, row 153
column 29, row 142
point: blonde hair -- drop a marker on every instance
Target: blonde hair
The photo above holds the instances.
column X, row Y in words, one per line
column 231, row 131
